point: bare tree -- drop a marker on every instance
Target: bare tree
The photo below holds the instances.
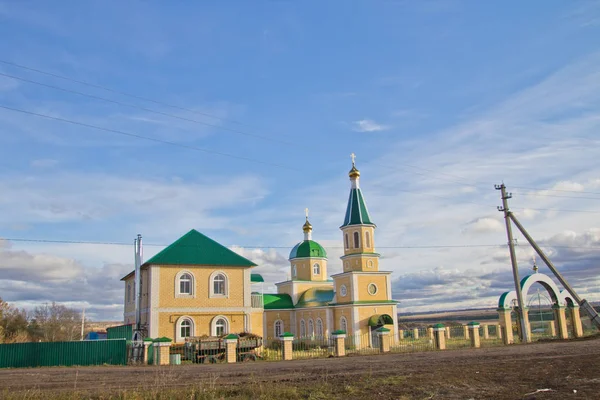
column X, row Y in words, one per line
column 13, row 324
column 55, row 322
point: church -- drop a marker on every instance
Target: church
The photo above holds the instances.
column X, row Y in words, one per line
column 198, row 287
column 357, row 301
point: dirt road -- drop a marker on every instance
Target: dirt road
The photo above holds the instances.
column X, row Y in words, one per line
column 569, row 369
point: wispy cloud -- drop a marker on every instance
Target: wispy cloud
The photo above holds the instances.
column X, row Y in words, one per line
column 368, row 125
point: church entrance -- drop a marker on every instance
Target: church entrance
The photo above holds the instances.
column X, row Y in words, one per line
column 375, row 322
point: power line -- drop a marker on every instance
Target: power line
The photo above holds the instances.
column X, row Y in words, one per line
column 559, row 196
column 137, row 136
column 145, row 109
column 106, row 243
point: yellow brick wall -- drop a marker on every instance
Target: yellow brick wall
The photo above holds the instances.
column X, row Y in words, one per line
column 379, row 280
column 313, row 314
column 167, row 323
column 257, row 323
column 344, row 280
column 366, row 312
column 363, row 248
column 338, row 312
column 274, row 315
column 202, row 275
column 304, row 268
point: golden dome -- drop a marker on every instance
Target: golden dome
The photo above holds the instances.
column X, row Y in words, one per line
column 354, row 173
column 307, row 226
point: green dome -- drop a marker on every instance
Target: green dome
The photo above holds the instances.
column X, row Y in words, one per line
column 308, row 248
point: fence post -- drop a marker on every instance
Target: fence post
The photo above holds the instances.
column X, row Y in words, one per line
column 506, row 324
column 416, row 333
column 439, row 334
column 400, row 334
column 474, row 334
column 447, row 332
column 499, row 331
column 486, row 331
column 231, row 342
column 147, row 349
column 430, row 333
column 339, row 338
column 576, row 321
column 384, row 339
column 561, row 318
column 287, row 339
column 161, row 350
column 466, row 331
column 552, row 327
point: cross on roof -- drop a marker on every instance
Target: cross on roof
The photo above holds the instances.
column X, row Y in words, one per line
column 306, row 212
column 353, row 157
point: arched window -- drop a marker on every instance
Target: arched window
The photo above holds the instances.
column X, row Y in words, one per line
column 347, row 242
column 370, row 263
column 220, row 326
column 218, row 284
column 356, row 240
column 344, row 324
column 184, row 328
column 346, row 265
column 311, row 328
column 302, row 328
column 129, row 293
column 294, row 271
column 319, row 327
column 316, row 269
column 185, row 284
column 367, row 239
column 278, row 328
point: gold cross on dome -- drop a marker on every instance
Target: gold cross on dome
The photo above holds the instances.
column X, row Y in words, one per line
column 306, row 212
column 353, row 157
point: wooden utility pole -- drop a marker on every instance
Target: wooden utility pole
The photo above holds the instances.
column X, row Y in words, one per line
column 513, row 260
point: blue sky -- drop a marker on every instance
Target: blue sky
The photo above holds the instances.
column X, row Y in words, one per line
column 440, row 100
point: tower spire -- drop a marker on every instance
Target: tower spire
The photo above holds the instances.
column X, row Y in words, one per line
column 307, row 227
column 354, row 173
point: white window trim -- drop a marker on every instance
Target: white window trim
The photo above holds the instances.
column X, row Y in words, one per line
column 367, row 239
column 275, row 327
column 311, row 328
column 347, row 242
column 318, row 269
column 294, row 271
column 211, row 285
column 302, row 328
column 319, row 322
column 213, row 324
column 344, row 325
column 356, row 235
column 343, row 291
column 178, row 338
column 376, row 289
column 178, row 286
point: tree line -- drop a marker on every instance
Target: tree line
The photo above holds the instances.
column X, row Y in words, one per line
column 47, row 323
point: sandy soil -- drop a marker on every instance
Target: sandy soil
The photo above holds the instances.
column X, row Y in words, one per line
column 571, row 369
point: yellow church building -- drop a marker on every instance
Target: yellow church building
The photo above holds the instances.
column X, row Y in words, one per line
column 357, row 301
column 198, row 287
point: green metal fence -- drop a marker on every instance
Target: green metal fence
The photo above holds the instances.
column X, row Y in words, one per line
column 89, row 352
column 120, row 332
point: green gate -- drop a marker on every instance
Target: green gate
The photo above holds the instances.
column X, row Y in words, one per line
column 88, row 352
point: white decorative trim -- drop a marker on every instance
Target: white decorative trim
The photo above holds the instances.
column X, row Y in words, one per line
column 247, row 288
column 211, row 286
column 275, row 329
column 265, row 333
column 369, row 286
column 395, row 318
column 343, row 318
column 293, row 322
column 213, row 325
column 330, row 327
column 178, row 337
column 154, row 300
column 388, row 282
column 178, row 294
column 361, row 273
column 354, row 288
column 214, row 310
column 355, row 320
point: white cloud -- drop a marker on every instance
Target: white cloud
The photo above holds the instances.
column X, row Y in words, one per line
column 367, row 125
column 484, row 225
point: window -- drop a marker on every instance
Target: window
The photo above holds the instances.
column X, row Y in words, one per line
column 278, row 328
column 218, row 284
column 185, row 284
column 220, row 326
column 356, row 240
column 368, row 239
column 294, row 271
column 302, row 328
column 370, row 263
column 344, row 324
column 311, row 328
column 185, row 330
column 343, row 291
column 372, row 289
column 346, row 265
column 129, row 293
column 319, row 327
column 316, row 269
column 347, row 242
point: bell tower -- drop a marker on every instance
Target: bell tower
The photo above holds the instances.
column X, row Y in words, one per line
column 358, row 230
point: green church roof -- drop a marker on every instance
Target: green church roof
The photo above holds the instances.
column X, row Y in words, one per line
column 277, row 301
column 356, row 212
column 194, row 248
column 308, row 248
column 315, row 297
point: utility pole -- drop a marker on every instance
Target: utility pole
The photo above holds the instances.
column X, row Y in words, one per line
column 513, row 260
